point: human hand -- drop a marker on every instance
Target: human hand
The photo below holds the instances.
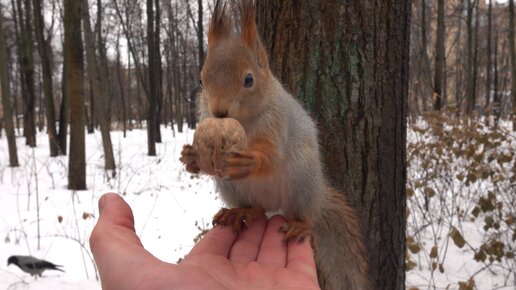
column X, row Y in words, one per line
column 254, row 259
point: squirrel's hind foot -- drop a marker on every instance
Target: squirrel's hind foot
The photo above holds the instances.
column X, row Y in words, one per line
column 237, row 218
column 295, row 230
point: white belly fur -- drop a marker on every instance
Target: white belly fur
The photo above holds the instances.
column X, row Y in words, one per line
column 269, row 193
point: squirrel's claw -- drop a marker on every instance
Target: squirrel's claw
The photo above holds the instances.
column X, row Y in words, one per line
column 295, row 230
column 188, row 156
column 237, row 165
column 237, row 218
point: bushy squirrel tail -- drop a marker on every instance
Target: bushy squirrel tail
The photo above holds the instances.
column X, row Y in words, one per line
column 339, row 249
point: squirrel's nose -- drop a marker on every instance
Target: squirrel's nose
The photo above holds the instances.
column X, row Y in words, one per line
column 221, row 114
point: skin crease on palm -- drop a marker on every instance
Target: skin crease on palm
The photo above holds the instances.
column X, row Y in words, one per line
column 255, row 259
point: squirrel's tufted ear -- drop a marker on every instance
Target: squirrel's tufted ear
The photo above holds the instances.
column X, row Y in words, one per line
column 220, row 25
column 249, row 32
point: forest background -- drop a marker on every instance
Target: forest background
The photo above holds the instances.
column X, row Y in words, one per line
column 99, row 95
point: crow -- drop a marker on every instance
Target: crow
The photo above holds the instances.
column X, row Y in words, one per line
column 31, row 265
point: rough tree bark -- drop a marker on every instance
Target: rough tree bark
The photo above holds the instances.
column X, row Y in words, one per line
column 347, row 62
column 74, row 82
column 6, row 98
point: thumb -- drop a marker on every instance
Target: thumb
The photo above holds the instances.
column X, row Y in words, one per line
column 113, row 242
column 114, row 211
column 115, row 225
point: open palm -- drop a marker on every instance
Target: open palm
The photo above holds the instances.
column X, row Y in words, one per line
column 255, row 259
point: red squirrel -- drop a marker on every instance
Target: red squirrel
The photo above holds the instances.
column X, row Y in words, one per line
column 280, row 170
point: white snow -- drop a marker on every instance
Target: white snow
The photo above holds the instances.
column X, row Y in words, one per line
column 167, row 202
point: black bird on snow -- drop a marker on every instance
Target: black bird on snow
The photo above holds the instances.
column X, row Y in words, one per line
column 31, row 265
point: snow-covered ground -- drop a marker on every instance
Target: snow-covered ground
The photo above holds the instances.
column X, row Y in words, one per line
column 169, row 206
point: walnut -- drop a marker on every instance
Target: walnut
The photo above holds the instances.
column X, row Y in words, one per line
column 213, row 138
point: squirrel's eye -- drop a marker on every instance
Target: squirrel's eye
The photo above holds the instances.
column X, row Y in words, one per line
column 200, row 83
column 249, row 80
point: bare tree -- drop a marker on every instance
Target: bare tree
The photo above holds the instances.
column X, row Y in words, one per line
column 471, row 46
column 512, row 48
column 159, row 72
column 100, row 92
column 6, row 98
column 74, row 83
column 121, row 85
column 45, row 55
column 440, row 61
column 458, row 57
column 151, row 51
column 496, row 93
column 424, row 59
column 23, row 22
column 489, row 47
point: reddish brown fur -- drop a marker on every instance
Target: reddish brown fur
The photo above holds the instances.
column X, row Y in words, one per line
column 265, row 155
column 249, row 32
column 220, row 26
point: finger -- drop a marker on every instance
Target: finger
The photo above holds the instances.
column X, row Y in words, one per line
column 115, row 215
column 272, row 250
column 300, row 257
column 115, row 246
column 218, row 241
column 246, row 247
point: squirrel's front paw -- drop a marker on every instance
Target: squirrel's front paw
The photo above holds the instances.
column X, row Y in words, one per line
column 237, row 165
column 188, row 156
column 237, row 218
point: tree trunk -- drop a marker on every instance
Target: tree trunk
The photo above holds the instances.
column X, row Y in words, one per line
column 130, row 46
column 496, row 94
column 347, row 62
column 45, row 54
column 424, row 70
column 174, row 42
column 489, row 57
column 470, row 77
column 64, row 114
column 121, row 84
column 192, row 104
column 475, row 58
column 159, row 72
column 103, row 70
column 27, row 67
column 512, row 47
column 439, row 58
column 74, row 82
column 151, row 116
column 6, row 98
column 99, row 92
